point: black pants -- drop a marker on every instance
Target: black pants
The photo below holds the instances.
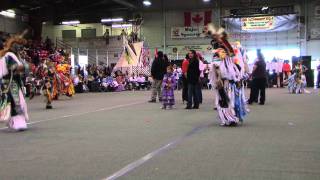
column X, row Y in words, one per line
column 184, row 89
column 199, row 92
column 318, row 80
column 193, row 95
column 258, row 85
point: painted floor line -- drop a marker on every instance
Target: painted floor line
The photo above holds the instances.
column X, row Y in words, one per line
column 80, row 114
column 130, row 167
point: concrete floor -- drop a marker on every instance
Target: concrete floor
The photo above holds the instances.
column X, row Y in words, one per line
column 93, row 136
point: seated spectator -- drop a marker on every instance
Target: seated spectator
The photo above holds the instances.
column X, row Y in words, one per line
column 133, row 84
column 121, row 83
column 141, row 80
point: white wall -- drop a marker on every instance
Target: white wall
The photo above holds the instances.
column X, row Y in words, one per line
column 11, row 25
column 55, row 31
column 313, row 49
column 153, row 29
column 313, row 25
column 156, row 24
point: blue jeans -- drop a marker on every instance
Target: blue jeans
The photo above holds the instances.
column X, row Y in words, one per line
column 318, row 80
column 199, row 93
column 193, row 95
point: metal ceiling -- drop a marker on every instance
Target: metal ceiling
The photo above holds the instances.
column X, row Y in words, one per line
column 94, row 10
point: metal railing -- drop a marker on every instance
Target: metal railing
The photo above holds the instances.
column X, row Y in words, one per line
column 96, row 49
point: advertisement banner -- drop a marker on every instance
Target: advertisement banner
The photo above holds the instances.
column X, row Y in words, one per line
column 187, row 32
column 261, row 24
column 256, row 23
column 179, row 52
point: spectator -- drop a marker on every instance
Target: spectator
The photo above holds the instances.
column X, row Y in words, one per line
column 141, row 80
column 193, row 77
column 318, row 77
column 158, row 70
column 185, row 65
column 259, row 80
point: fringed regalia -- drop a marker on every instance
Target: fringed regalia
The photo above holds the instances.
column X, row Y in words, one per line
column 50, row 88
column 297, row 81
column 228, row 82
column 12, row 71
column 168, row 85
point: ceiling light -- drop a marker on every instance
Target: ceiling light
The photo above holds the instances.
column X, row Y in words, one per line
column 70, row 22
column 121, row 25
column 206, row 0
column 147, row 3
column 8, row 13
column 112, row 20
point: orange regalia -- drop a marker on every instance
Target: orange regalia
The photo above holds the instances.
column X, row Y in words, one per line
column 64, row 80
column 50, row 89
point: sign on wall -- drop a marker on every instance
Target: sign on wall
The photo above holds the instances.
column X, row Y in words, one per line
column 187, row 32
column 257, row 23
column 262, row 24
column 179, row 52
column 240, row 36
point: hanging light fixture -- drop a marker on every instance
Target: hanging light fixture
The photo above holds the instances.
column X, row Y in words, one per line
column 70, row 22
column 112, row 20
column 121, row 25
column 147, row 3
column 8, row 13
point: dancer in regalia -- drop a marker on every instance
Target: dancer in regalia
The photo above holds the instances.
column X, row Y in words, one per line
column 297, row 81
column 65, row 81
column 228, row 81
column 13, row 106
column 168, row 86
column 50, row 84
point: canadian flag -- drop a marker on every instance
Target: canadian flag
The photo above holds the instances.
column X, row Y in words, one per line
column 197, row 18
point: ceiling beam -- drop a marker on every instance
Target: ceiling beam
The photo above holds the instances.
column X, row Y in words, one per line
column 125, row 3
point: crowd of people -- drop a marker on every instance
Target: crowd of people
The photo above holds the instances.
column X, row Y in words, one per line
column 31, row 68
column 227, row 76
column 93, row 78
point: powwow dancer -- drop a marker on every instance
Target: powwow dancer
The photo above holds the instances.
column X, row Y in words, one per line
column 50, row 84
column 297, row 81
column 168, row 86
column 65, row 83
column 13, row 109
column 228, row 81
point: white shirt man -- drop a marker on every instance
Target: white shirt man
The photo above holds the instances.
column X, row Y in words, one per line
column 133, row 79
column 141, row 79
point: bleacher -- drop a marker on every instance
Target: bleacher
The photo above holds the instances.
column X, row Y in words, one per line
column 95, row 48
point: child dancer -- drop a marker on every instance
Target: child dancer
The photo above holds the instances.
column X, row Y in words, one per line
column 168, row 85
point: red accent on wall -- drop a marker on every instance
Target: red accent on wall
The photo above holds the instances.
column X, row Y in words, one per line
column 207, row 17
column 187, row 19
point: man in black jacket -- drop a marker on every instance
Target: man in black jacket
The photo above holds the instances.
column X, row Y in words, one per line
column 259, row 80
column 158, row 69
column 193, row 77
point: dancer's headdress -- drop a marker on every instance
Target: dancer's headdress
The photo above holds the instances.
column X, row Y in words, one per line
column 14, row 40
column 219, row 39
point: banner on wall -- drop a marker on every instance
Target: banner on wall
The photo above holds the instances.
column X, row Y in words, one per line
column 240, row 36
column 262, row 24
column 257, row 23
column 186, row 48
column 187, row 32
column 179, row 52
